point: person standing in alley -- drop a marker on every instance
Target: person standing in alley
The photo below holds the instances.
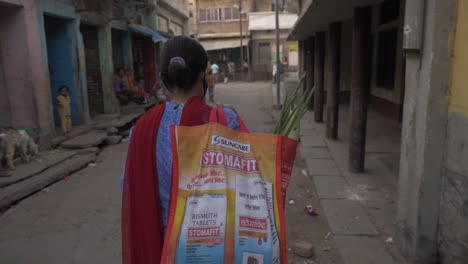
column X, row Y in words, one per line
column 285, row 65
column 273, row 73
column 64, row 109
column 215, row 70
column 211, row 80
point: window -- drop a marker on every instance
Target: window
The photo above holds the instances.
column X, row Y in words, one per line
column 386, row 58
column 219, row 14
column 202, row 15
column 235, row 13
column 227, row 13
column 163, row 24
column 176, row 29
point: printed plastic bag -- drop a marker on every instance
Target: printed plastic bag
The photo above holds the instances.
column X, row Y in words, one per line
column 227, row 203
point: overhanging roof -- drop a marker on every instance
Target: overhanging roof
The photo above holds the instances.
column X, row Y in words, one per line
column 222, row 35
column 320, row 13
column 155, row 35
column 267, row 20
column 223, row 44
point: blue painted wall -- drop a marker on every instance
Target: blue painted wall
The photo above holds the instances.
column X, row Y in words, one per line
column 67, row 54
column 60, row 60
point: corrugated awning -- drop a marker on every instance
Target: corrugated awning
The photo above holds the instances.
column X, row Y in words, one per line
column 267, row 20
column 155, row 35
column 223, row 43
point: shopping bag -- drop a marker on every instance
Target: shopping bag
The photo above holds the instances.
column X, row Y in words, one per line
column 227, row 199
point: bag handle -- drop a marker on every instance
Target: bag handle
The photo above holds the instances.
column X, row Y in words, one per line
column 217, row 115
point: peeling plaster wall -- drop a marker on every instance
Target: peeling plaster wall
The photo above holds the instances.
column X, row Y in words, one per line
column 424, row 133
column 23, row 76
column 453, row 219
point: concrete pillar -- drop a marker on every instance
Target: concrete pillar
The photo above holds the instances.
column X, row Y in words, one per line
column 310, row 52
column 107, row 71
column 425, row 161
column 333, row 87
column 300, row 44
column 360, row 87
column 319, row 62
column 82, row 77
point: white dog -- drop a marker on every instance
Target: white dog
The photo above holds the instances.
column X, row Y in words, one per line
column 12, row 140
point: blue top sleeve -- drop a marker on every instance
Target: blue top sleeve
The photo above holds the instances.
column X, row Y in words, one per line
column 232, row 119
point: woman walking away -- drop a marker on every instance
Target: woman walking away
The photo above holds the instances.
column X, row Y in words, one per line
column 211, row 79
column 148, row 171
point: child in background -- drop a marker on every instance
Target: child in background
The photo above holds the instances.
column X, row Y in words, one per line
column 211, row 80
column 64, row 109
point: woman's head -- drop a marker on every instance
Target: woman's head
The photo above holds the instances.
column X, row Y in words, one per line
column 183, row 66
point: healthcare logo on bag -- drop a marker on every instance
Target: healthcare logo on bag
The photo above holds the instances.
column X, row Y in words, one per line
column 217, row 140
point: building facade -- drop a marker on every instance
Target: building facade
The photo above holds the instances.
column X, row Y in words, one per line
column 263, row 43
column 77, row 43
column 403, row 59
column 172, row 17
column 223, row 27
column 219, row 25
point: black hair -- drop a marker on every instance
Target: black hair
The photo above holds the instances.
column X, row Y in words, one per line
column 182, row 60
column 63, row 87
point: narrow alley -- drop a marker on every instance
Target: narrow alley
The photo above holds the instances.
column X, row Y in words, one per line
column 373, row 93
column 77, row 220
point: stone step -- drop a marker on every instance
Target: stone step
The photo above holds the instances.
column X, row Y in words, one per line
column 76, row 131
column 88, row 140
column 16, row 192
column 121, row 122
column 38, row 164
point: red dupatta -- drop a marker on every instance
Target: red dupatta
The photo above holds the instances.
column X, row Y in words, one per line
column 142, row 229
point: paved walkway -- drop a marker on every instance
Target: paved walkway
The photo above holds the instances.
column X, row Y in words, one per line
column 254, row 103
column 360, row 208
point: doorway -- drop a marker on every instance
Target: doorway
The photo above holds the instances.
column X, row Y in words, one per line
column 264, row 61
column 60, row 58
column 118, row 48
column 144, row 62
column 93, row 70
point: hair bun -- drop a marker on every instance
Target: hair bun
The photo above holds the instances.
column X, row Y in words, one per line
column 177, row 60
column 182, row 61
column 178, row 72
